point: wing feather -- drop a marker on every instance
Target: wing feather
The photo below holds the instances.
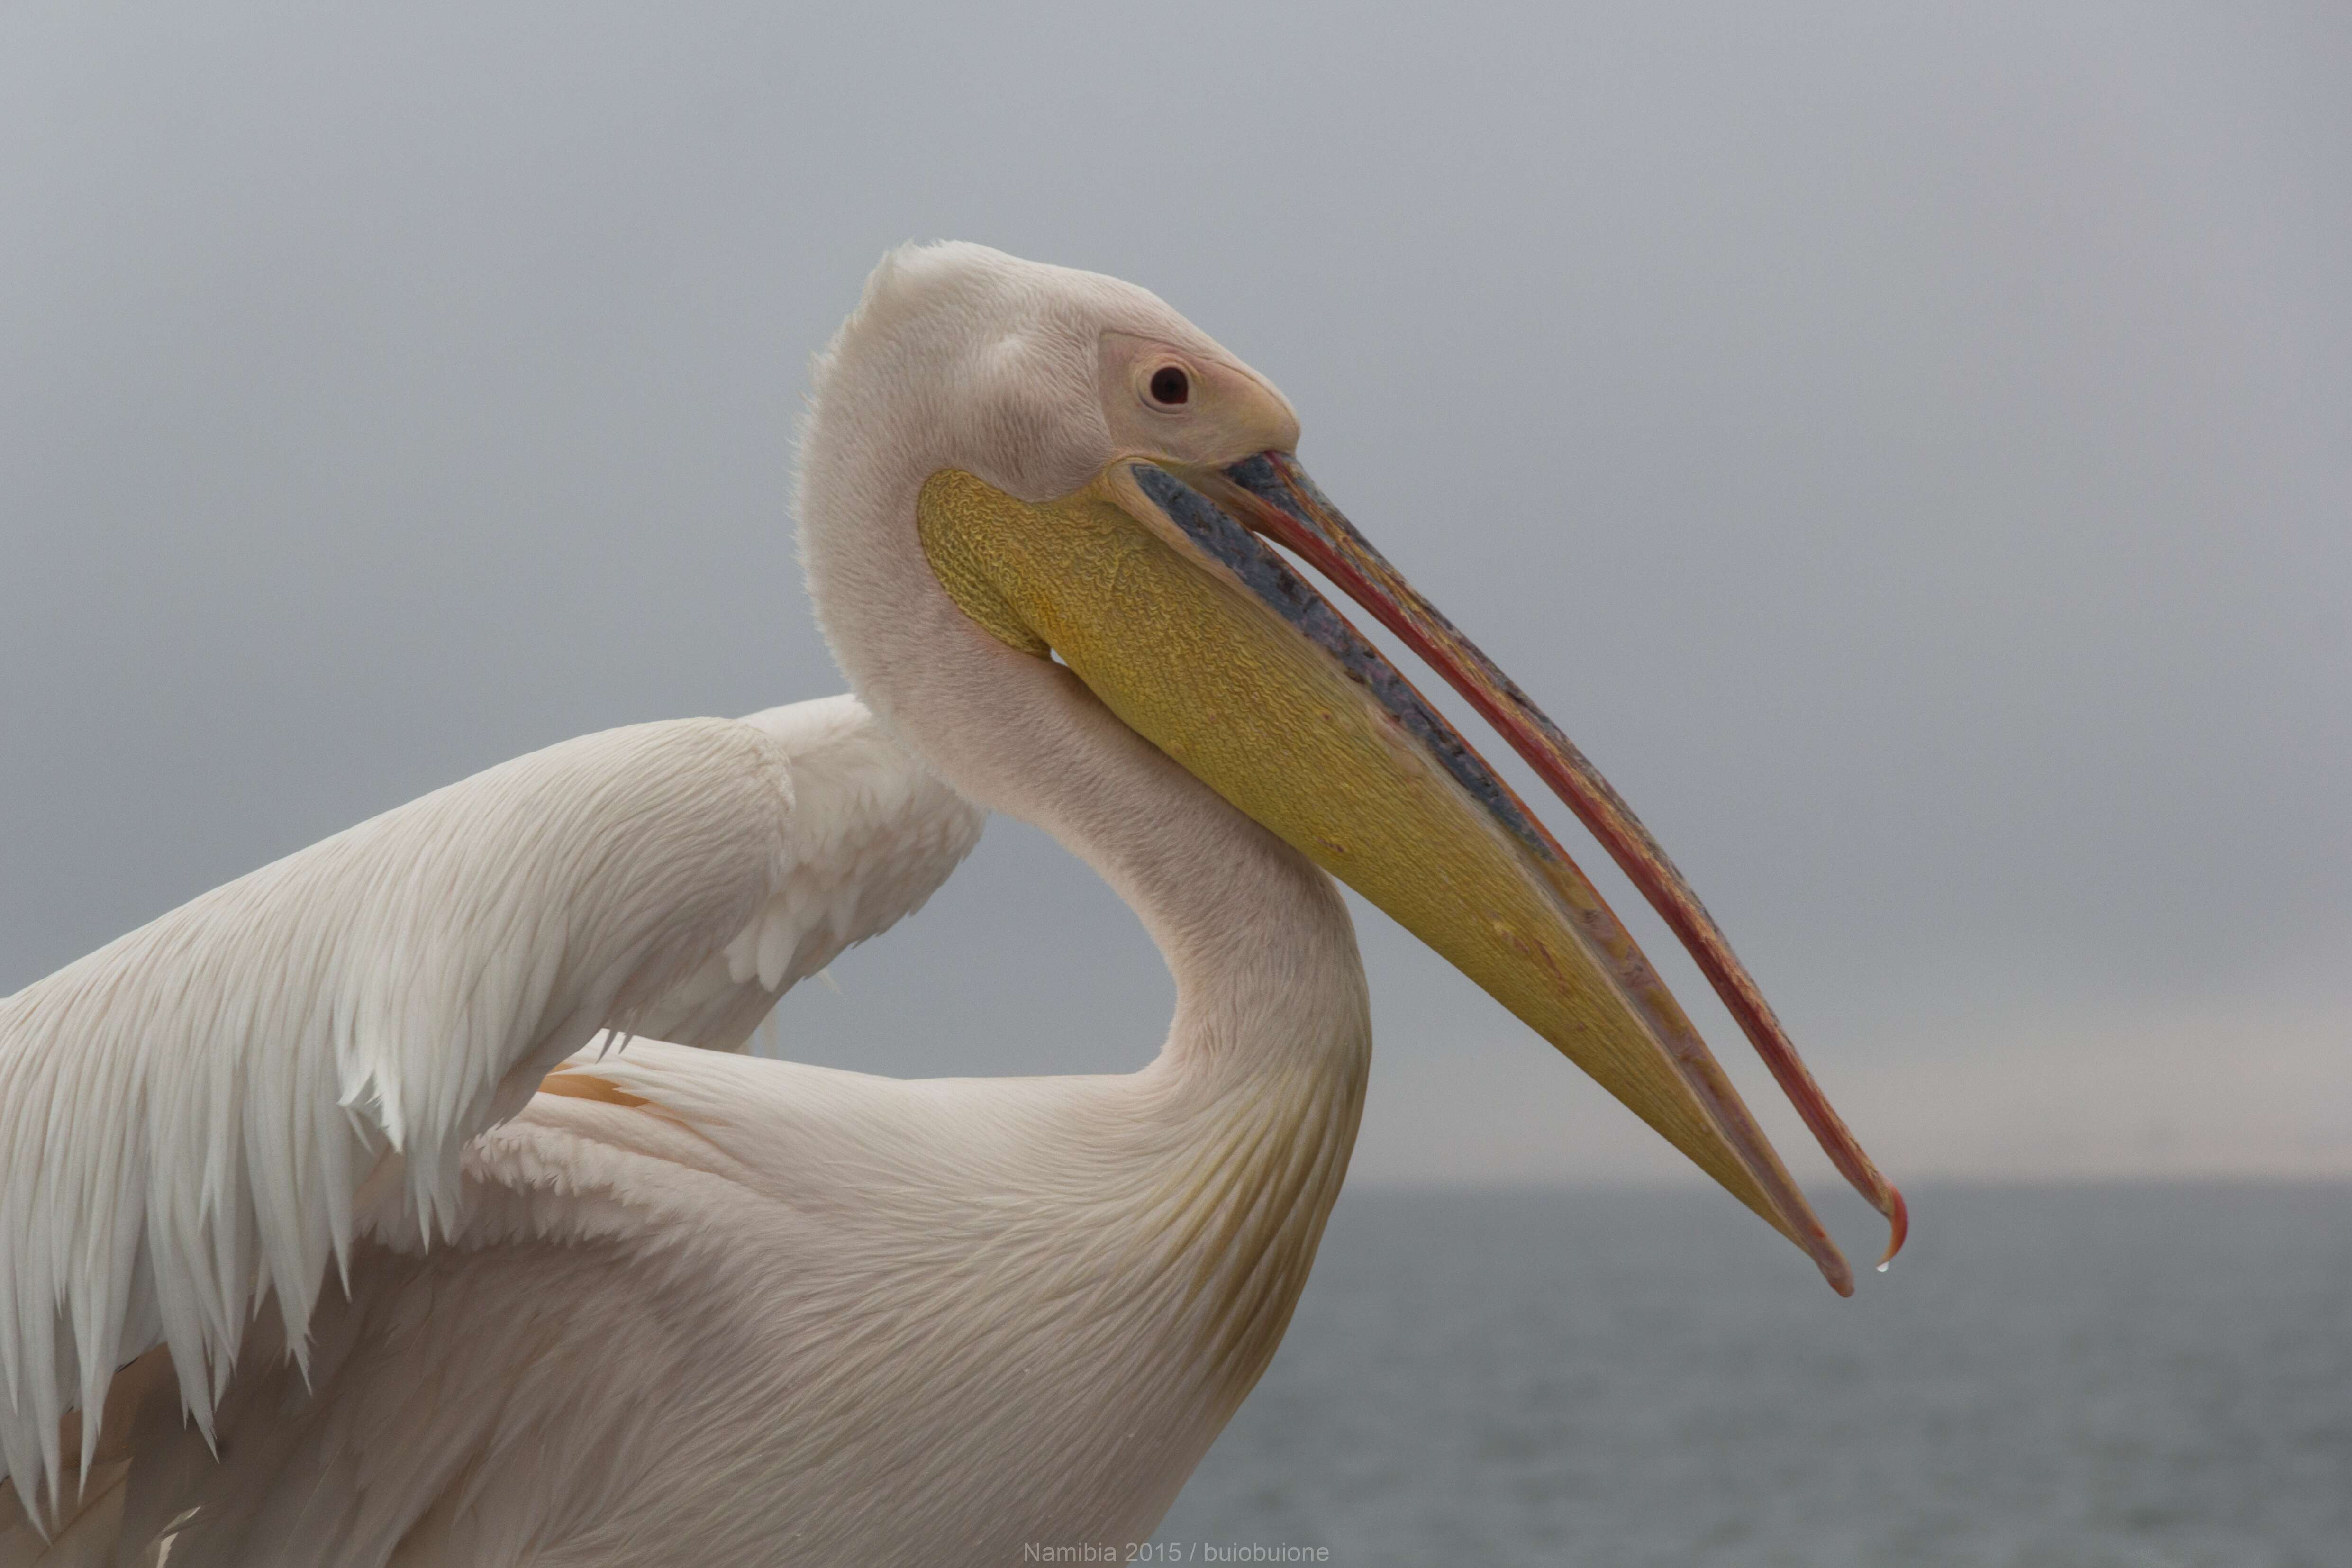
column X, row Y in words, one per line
column 186, row 1114
column 192, row 1117
column 873, row 838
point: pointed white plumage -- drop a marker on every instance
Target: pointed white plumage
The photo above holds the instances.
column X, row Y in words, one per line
column 189, row 1114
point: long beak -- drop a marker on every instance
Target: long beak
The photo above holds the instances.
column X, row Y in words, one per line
column 1277, row 499
column 1201, row 637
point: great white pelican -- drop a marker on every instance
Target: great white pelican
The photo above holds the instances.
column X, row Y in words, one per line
column 379, row 1209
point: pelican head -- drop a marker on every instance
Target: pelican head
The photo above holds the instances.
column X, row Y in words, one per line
column 1040, row 514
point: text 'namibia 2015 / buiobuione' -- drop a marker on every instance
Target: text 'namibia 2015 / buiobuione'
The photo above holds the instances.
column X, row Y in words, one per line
column 1142, row 1551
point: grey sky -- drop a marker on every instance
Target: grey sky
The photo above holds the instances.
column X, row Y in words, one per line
column 1912, row 454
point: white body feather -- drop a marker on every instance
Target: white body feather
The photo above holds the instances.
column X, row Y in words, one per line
column 779, row 1314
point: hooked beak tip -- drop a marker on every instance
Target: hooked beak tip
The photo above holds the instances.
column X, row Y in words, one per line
column 1898, row 1220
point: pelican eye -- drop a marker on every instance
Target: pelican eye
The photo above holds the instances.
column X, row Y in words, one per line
column 1171, row 386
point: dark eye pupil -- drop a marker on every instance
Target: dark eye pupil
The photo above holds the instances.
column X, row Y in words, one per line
column 1169, row 384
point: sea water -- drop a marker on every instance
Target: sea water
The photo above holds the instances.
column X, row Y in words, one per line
column 2050, row 1377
